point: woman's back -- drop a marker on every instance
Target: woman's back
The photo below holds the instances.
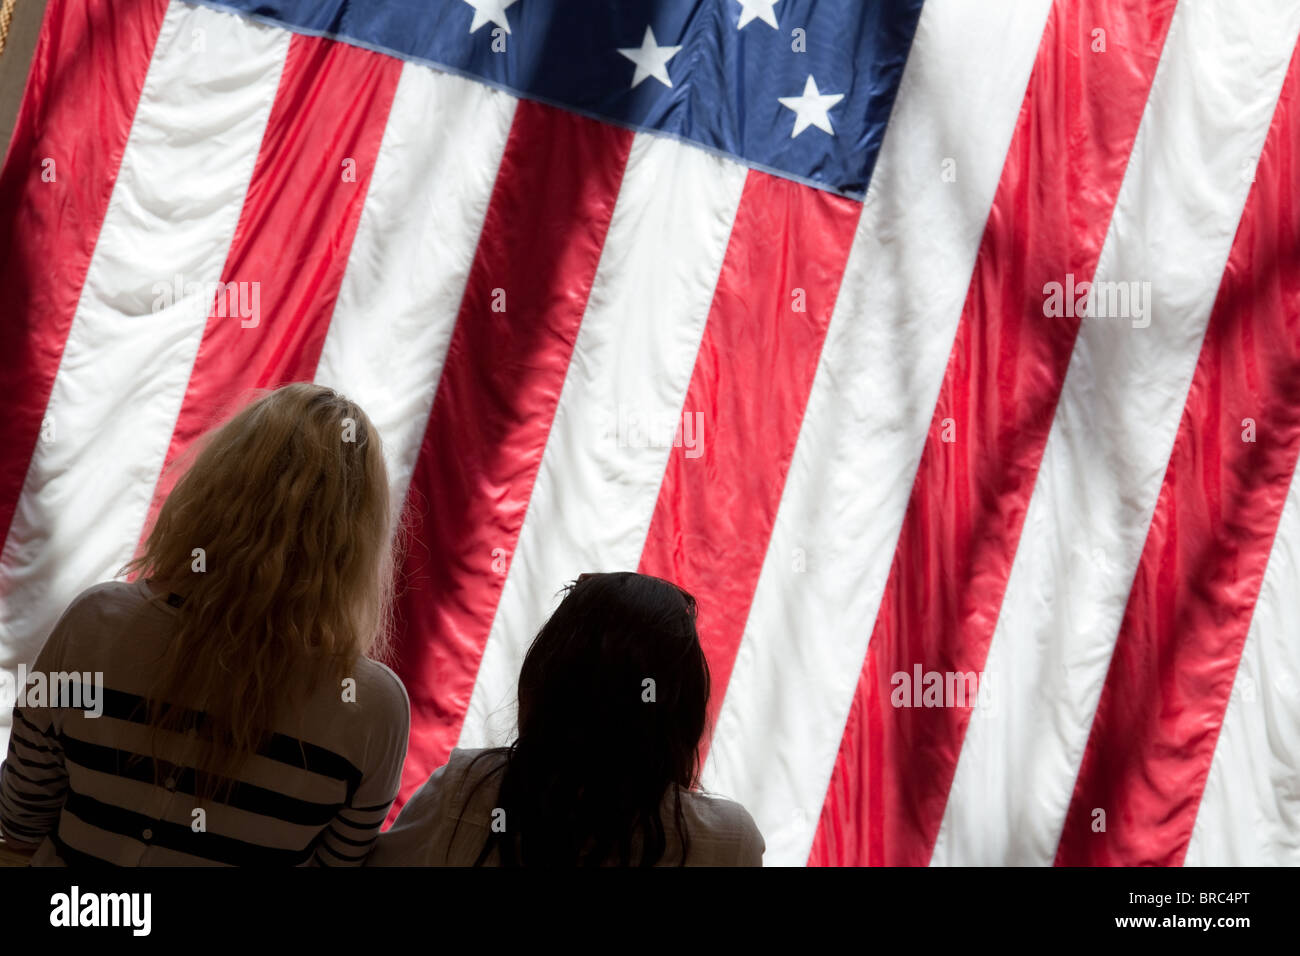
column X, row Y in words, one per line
column 448, row 820
column 318, row 791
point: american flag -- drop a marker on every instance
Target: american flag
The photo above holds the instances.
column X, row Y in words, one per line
column 948, row 352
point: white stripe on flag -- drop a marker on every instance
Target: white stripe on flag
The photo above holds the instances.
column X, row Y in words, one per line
column 868, row 414
column 127, row 361
column 411, row 257
column 1105, row 458
column 1250, row 811
column 605, row 457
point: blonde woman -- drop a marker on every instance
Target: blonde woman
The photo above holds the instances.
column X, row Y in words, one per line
column 241, row 719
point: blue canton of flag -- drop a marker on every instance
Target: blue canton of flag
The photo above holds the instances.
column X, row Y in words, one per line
column 798, row 88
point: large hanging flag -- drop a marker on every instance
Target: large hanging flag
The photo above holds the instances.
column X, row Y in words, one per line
column 948, row 352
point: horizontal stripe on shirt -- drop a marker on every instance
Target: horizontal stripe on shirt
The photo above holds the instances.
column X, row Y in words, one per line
column 95, row 784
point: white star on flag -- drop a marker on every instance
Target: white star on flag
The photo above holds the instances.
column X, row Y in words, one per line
column 650, row 59
column 757, row 10
column 811, row 109
column 490, row 11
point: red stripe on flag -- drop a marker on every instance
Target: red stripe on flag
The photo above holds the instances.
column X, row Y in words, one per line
column 506, row 363
column 1153, row 736
column 295, row 230
column 755, row 367
column 1049, row 219
column 89, row 68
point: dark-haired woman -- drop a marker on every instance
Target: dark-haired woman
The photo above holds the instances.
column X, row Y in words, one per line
column 613, row 700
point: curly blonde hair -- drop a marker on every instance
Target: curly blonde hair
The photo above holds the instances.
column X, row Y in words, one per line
column 289, row 502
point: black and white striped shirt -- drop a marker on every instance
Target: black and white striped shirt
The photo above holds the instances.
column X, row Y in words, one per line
column 80, row 781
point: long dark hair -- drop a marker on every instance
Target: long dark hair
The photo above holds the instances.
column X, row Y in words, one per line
column 613, row 700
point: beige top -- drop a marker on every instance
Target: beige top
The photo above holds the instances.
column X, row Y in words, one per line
column 721, row 832
column 82, row 784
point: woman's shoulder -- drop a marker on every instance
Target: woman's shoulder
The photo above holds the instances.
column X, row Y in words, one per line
column 465, row 768
column 475, row 761
column 99, row 619
column 722, row 830
column 369, row 703
column 380, row 681
column 108, row 599
column 439, row 814
column 726, row 813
